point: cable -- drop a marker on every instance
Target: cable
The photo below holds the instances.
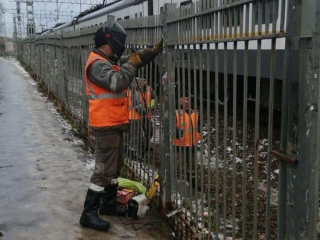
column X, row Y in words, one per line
column 133, row 223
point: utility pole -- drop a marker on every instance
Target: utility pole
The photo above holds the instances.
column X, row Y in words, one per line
column 57, row 10
column 31, row 28
column 15, row 28
column 2, row 24
column 19, row 31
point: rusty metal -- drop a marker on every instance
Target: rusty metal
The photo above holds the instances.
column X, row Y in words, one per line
column 284, row 157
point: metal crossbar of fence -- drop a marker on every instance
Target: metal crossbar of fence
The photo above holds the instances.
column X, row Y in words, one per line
column 211, row 115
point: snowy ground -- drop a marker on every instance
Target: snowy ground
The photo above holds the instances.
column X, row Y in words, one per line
column 45, row 169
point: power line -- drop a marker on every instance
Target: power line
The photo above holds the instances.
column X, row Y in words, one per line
column 43, row 12
column 38, row 16
column 78, row 2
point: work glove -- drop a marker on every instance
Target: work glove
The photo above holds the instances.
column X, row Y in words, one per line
column 151, row 104
column 148, row 54
column 135, row 60
column 158, row 48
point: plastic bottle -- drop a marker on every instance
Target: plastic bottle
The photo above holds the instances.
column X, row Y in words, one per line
column 153, row 189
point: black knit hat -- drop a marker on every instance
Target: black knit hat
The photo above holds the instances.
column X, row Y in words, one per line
column 115, row 36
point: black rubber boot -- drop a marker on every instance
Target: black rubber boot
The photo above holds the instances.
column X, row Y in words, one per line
column 90, row 217
column 109, row 204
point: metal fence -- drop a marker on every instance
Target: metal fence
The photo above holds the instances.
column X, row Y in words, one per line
column 239, row 177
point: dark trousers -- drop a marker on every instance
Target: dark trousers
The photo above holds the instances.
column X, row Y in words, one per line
column 138, row 135
column 185, row 159
column 109, row 158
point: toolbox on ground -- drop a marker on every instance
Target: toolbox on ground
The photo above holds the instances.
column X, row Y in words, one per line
column 124, row 195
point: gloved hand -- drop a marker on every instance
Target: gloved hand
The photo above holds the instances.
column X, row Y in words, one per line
column 158, row 48
column 151, row 104
column 148, row 54
column 135, row 60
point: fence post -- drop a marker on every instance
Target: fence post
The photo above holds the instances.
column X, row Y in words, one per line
column 166, row 144
column 299, row 182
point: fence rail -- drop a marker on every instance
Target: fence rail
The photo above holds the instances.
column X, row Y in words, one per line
column 216, row 124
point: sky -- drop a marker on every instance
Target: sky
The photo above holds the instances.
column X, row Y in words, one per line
column 45, row 13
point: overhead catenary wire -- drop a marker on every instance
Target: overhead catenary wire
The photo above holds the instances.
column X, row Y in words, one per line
column 56, row 16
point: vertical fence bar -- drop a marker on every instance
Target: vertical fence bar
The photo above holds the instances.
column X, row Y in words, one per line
column 201, row 135
column 177, row 155
column 166, row 145
column 217, row 221
column 244, row 137
column 189, row 96
column 149, row 126
column 257, row 124
column 234, row 136
column 302, row 179
column 209, row 136
column 195, row 89
column 281, row 221
column 225, row 132
column 185, row 172
column 267, row 19
column 256, row 140
column 270, row 132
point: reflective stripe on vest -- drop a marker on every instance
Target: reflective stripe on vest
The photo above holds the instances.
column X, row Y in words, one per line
column 106, row 108
column 92, row 95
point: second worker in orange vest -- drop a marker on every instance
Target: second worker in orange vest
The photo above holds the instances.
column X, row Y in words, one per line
column 186, row 138
column 139, row 99
column 107, row 77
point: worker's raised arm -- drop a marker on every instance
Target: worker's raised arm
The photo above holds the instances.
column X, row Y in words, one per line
column 103, row 75
column 146, row 55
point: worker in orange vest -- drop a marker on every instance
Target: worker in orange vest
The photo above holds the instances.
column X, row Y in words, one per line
column 186, row 137
column 107, row 77
column 139, row 99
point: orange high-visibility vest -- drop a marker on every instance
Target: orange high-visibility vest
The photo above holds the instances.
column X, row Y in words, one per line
column 133, row 114
column 105, row 107
column 147, row 97
column 190, row 135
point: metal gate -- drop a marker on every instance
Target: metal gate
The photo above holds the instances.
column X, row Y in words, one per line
column 227, row 115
